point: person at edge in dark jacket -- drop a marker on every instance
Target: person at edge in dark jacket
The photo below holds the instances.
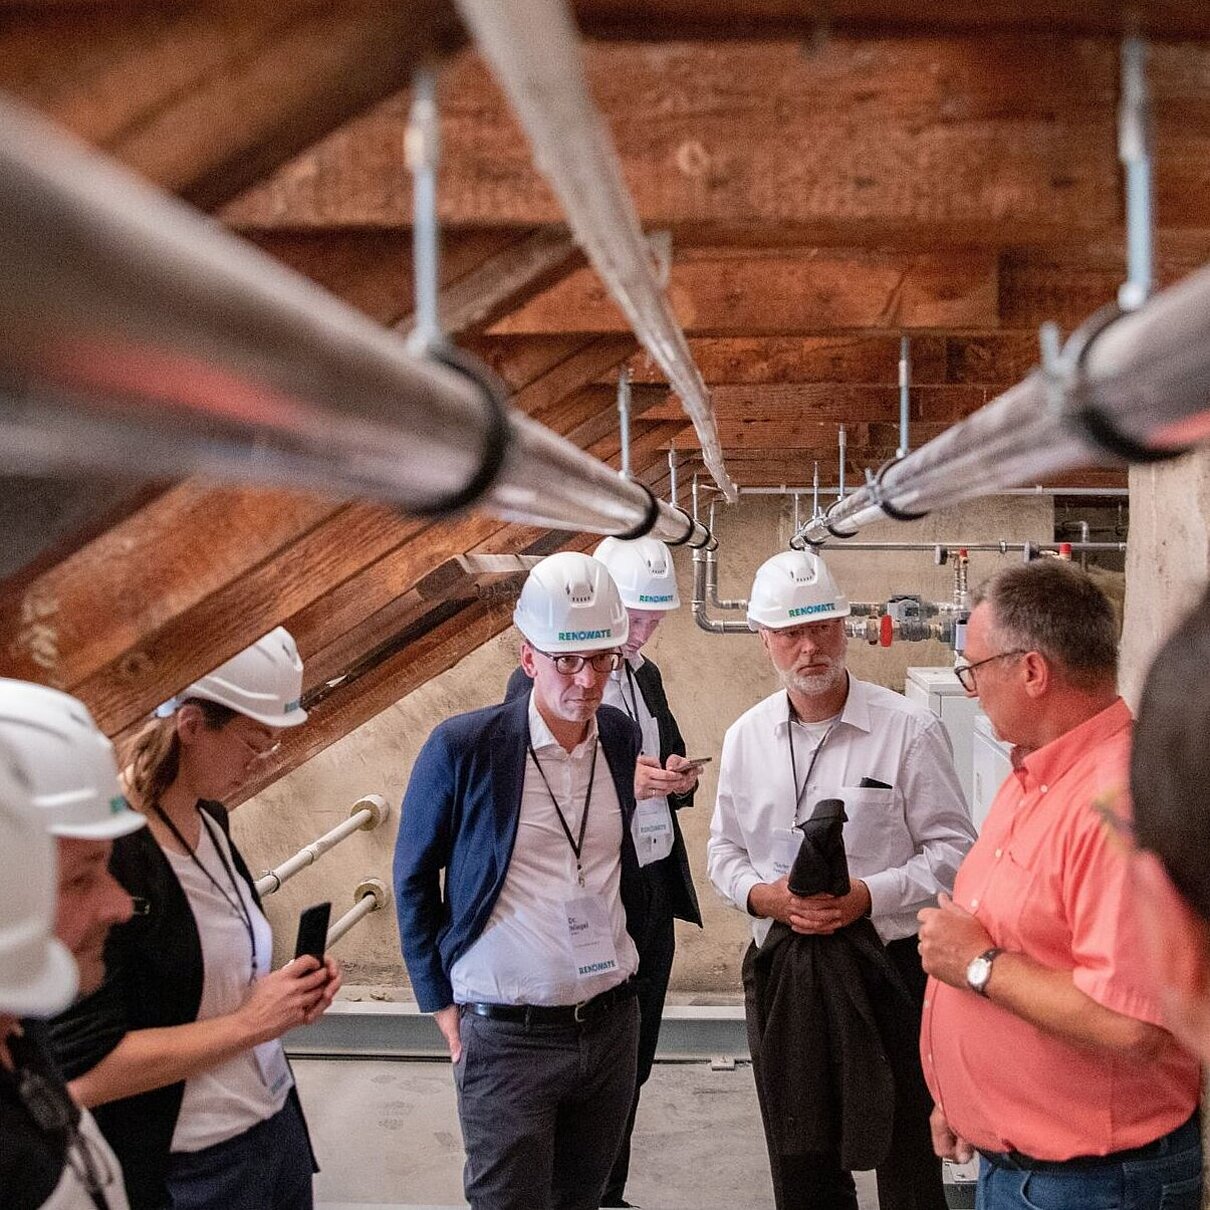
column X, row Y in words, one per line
column 179, row 1052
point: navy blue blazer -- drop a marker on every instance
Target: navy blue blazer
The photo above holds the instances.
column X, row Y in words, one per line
column 460, row 816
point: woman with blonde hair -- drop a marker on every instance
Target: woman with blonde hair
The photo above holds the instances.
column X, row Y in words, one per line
column 179, row 1053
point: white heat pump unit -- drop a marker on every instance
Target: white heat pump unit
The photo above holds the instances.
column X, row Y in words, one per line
column 991, row 763
column 938, row 690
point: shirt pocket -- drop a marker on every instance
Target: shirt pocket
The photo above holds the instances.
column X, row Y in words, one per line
column 1005, row 900
column 874, row 820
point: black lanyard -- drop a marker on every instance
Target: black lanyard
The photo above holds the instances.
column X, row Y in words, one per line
column 634, row 695
column 799, row 792
column 577, row 846
column 237, row 904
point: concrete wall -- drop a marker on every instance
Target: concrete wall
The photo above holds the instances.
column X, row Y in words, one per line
column 711, row 679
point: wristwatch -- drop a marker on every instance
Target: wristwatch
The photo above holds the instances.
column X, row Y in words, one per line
column 979, row 971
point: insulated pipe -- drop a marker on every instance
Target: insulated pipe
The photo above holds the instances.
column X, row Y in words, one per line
column 672, row 464
column 1131, row 386
column 843, row 445
column 371, row 895
column 533, row 48
column 137, row 337
column 366, row 815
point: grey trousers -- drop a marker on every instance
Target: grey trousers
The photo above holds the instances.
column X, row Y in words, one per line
column 543, row 1108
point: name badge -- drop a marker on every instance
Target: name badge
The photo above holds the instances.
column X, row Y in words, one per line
column 274, row 1071
column 786, row 843
column 652, row 830
column 591, row 937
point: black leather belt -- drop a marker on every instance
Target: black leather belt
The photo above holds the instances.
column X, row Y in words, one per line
column 1184, row 1135
column 556, row 1014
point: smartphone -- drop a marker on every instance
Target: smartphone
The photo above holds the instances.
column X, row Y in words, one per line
column 699, row 760
column 313, row 931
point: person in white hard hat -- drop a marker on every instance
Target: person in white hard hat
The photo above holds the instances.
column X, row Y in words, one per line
column 664, row 784
column 55, row 911
column 179, row 1052
column 827, row 735
column 518, row 892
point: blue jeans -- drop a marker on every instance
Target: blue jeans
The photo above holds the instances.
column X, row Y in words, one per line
column 1165, row 1175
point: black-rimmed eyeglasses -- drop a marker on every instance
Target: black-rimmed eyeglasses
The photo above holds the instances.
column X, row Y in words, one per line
column 570, row 665
column 966, row 672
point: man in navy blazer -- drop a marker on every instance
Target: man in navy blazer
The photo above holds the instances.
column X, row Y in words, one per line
column 518, row 894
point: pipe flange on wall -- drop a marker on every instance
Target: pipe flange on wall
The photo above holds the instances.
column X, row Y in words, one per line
column 496, row 439
column 378, row 807
column 374, row 888
column 1067, row 387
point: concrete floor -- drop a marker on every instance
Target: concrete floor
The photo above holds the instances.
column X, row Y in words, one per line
column 387, row 1137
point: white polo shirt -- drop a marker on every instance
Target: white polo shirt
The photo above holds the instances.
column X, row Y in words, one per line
column 905, row 843
column 524, row 954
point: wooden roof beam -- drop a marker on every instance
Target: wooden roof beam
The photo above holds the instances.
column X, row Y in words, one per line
column 930, row 142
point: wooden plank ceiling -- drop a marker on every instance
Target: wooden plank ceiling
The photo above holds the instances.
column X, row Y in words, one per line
column 948, row 171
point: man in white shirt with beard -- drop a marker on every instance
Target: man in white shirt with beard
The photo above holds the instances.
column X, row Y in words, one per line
column 826, row 734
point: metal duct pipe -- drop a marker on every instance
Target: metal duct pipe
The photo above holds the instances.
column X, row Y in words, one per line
column 366, row 815
column 137, row 337
column 700, row 616
column 533, row 48
column 1130, row 386
column 784, row 490
column 905, row 382
column 712, row 586
column 371, row 895
column 624, row 421
column 1134, row 150
column 1001, row 547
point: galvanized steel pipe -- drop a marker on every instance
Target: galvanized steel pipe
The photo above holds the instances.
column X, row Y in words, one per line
column 137, row 337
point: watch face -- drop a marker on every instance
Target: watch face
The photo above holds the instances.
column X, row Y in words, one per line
column 978, row 972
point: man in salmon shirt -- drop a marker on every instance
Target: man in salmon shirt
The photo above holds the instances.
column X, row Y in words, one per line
column 1043, row 1040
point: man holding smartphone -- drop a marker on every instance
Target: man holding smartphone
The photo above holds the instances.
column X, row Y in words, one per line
column 665, row 782
column 828, row 735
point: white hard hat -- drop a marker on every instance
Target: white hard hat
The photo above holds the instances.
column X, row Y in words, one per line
column 792, row 588
column 642, row 570
column 262, row 682
column 569, row 602
column 70, row 764
column 37, row 972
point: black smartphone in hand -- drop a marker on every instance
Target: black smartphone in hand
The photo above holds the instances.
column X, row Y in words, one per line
column 313, row 931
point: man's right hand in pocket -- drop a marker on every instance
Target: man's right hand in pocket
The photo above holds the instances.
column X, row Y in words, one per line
column 447, row 1021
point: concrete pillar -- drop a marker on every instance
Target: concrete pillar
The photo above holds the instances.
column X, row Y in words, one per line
column 1167, row 560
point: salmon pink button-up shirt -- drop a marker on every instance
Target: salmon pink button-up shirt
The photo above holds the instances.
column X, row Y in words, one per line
column 1049, row 878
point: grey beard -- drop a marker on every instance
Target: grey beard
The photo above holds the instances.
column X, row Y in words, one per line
column 812, row 686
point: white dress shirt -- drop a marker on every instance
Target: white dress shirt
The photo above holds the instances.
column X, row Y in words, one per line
column 905, row 843
column 652, row 824
column 524, row 954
